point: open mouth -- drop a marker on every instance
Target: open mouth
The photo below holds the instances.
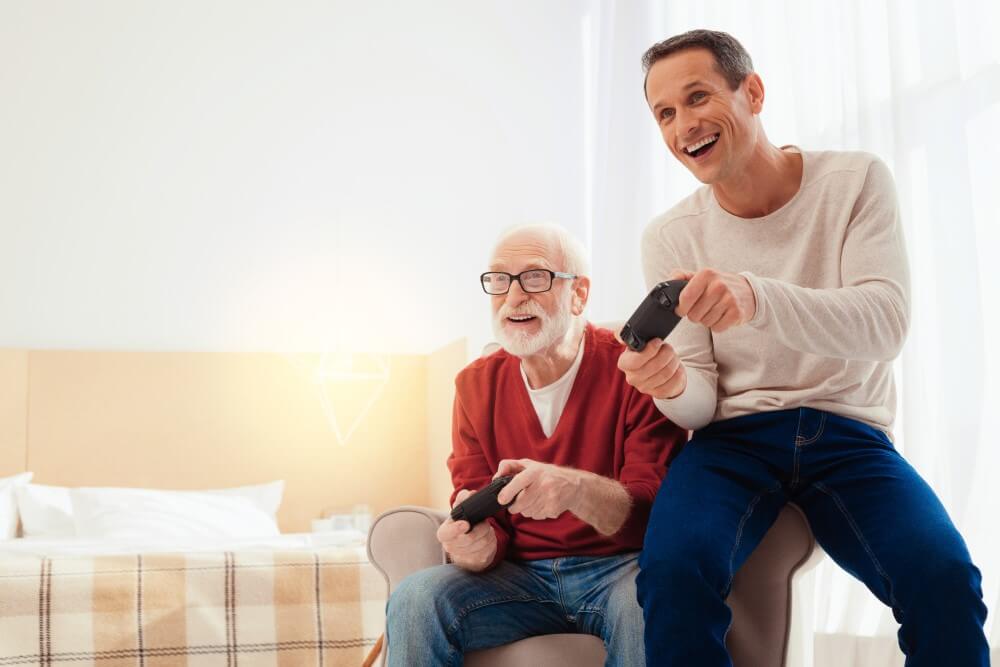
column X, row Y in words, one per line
column 703, row 147
column 521, row 319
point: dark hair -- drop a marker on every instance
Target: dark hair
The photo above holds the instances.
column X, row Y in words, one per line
column 731, row 59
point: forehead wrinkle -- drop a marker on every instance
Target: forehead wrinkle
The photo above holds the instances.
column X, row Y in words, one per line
column 692, row 68
column 532, row 251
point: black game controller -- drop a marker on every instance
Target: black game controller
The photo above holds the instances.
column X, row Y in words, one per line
column 655, row 316
column 482, row 504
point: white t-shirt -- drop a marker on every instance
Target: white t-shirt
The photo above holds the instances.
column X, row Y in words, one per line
column 550, row 400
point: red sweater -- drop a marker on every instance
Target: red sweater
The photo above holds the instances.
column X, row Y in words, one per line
column 607, row 427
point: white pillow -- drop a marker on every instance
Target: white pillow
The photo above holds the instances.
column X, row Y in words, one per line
column 147, row 514
column 8, row 504
column 47, row 511
column 266, row 497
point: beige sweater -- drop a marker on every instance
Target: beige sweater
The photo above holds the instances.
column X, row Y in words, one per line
column 830, row 275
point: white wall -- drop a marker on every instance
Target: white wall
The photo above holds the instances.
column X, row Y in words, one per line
column 273, row 175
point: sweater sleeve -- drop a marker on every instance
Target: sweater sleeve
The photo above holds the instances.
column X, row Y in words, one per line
column 470, row 470
column 868, row 317
column 695, row 407
column 651, row 442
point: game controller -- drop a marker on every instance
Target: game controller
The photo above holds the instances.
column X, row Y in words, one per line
column 655, row 316
column 482, row 504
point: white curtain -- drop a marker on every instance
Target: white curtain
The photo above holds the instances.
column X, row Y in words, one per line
column 917, row 83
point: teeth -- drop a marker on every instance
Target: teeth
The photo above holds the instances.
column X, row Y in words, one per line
column 520, row 318
column 704, row 142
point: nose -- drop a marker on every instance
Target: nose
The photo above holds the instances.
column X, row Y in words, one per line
column 516, row 292
column 516, row 295
column 685, row 124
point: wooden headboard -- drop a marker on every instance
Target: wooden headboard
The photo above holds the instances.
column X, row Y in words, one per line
column 190, row 420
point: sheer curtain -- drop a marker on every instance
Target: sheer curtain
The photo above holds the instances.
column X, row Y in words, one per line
column 919, row 85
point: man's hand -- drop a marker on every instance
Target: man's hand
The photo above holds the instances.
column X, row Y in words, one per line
column 471, row 550
column 543, row 490
column 716, row 299
column 656, row 371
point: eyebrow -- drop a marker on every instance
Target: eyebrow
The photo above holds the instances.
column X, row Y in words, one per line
column 687, row 86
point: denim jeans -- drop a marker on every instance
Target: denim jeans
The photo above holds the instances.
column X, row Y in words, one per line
column 869, row 510
column 436, row 615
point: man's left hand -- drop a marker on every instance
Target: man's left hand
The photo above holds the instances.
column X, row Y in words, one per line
column 716, row 299
column 542, row 490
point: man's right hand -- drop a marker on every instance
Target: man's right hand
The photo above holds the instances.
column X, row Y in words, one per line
column 656, row 371
column 473, row 550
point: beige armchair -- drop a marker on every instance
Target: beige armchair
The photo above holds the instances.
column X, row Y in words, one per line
column 403, row 540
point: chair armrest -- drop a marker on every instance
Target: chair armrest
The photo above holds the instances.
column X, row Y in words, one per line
column 404, row 540
column 761, row 596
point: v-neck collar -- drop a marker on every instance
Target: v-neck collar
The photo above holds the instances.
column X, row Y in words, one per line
column 529, row 408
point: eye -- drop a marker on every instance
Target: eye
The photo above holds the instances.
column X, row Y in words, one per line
column 698, row 96
column 666, row 114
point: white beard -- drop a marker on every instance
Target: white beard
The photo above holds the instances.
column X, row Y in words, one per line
column 525, row 344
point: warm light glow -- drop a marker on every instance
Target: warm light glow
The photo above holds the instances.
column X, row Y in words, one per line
column 347, row 385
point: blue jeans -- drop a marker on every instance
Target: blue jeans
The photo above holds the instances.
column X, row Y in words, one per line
column 869, row 510
column 436, row 615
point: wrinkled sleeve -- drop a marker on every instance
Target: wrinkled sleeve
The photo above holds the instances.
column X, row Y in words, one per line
column 695, row 407
column 470, row 470
column 868, row 317
column 651, row 442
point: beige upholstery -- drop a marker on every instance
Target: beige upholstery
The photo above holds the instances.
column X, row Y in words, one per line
column 403, row 540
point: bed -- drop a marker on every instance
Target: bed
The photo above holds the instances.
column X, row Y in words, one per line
column 298, row 599
column 194, row 421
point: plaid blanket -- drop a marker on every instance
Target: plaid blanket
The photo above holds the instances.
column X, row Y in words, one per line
column 322, row 607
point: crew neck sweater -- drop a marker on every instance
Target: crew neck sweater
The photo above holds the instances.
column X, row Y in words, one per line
column 830, row 277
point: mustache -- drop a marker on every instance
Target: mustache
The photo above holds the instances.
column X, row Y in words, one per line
column 529, row 308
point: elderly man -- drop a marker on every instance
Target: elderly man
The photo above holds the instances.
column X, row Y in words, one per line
column 587, row 452
column 798, row 302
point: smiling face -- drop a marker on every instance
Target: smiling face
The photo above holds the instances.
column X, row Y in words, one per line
column 526, row 323
column 709, row 127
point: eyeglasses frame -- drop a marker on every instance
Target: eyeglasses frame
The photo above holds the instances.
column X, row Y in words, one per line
column 517, row 276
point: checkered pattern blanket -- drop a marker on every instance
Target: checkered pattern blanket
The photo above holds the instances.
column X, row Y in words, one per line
column 323, row 607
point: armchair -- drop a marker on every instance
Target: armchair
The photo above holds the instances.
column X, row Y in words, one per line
column 403, row 540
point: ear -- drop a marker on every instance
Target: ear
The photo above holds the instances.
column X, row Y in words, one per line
column 754, row 86
column 581, row 292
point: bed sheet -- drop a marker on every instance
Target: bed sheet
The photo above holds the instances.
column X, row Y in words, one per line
column 305, row 599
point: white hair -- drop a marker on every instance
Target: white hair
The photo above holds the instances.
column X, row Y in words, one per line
column 575, row 258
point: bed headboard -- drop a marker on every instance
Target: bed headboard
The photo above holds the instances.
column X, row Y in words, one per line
column 189, row 420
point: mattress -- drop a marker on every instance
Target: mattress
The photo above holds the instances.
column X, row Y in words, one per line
column 290, row 600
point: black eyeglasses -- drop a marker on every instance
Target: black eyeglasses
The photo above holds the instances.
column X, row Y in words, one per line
column 532, row 280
